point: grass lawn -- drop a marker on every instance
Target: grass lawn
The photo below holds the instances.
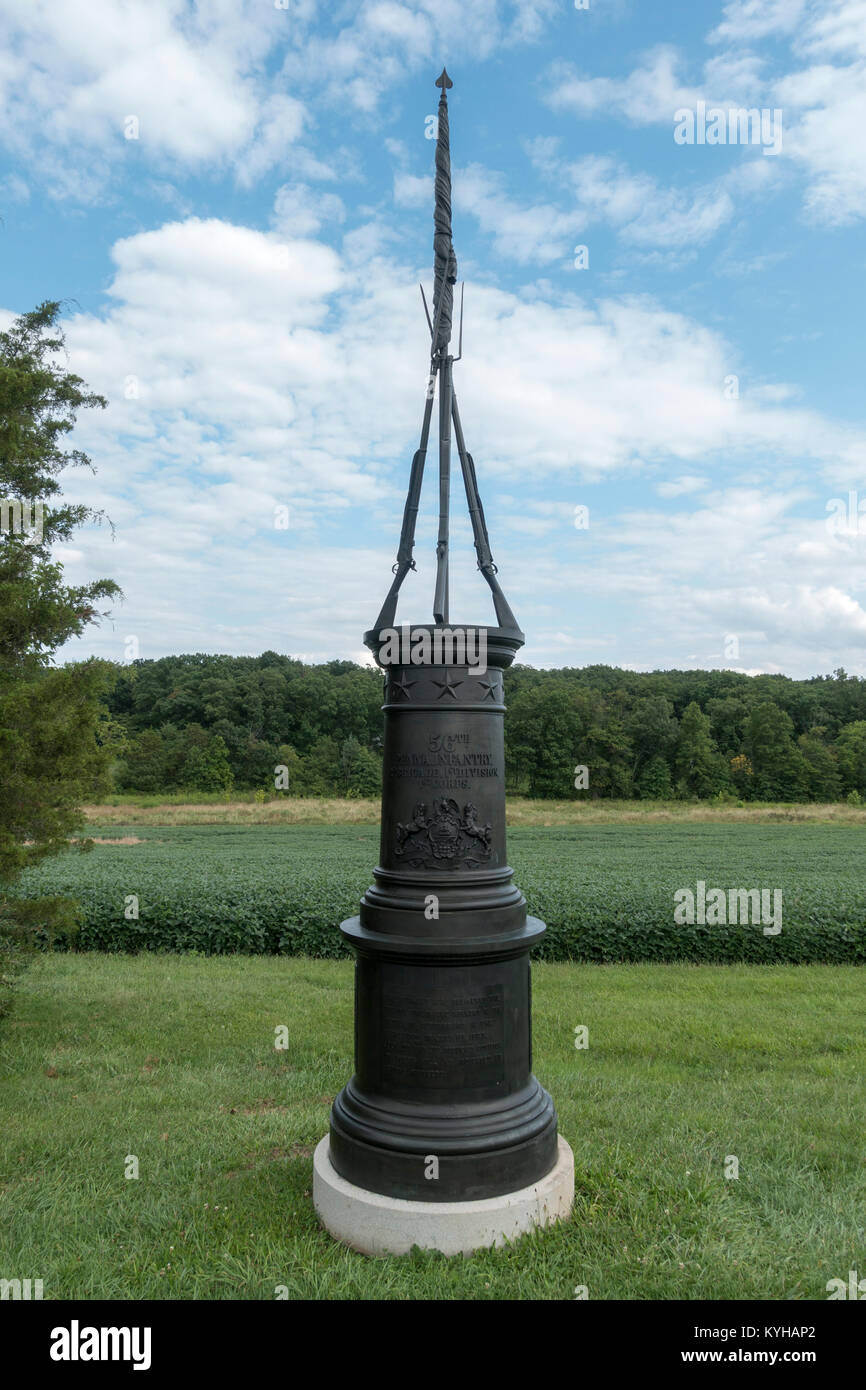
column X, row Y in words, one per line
column 171, row 1058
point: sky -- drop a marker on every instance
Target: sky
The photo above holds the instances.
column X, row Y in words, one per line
column 662, row 379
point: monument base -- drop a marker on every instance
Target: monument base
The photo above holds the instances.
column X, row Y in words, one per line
column 378, row 1225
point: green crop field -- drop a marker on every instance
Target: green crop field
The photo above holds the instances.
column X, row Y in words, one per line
column 605, row 891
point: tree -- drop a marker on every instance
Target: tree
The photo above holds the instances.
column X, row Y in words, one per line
column 144, row 763
column 361, row 770
column 654, row 782
column 253, row 764
column 606, row 751
column 652, row 728
column 851, row 752
column 699, row 769
column 780, row 772
column 556, row 731
column 741, row 774
column 822, row 765
column 56, row 738
column 207, row 767
column 287, row 769
column 320, row 769
column 727, row 716
column 616, row 723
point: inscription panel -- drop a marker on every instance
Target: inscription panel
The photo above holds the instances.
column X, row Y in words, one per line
column 425, row 1041
column 443, row 802
column 448, row 763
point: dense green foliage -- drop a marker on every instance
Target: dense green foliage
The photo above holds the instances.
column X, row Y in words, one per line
column 605, row 892
column 210, row 723
column 55, row 737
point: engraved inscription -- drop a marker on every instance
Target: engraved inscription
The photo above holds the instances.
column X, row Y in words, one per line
column 446, row 765
column 438, row 743
column 426, row 1041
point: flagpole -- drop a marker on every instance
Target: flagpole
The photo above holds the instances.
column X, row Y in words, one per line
column 444, row 279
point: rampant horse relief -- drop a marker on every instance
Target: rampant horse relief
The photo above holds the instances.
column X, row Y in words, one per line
column 446, row 839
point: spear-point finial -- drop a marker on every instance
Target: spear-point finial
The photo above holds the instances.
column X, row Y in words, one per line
column 444, row 81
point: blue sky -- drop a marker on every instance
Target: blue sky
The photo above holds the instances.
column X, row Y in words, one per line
column 241, row 281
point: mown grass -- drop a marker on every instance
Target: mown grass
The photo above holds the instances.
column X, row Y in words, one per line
column 172, row 1059
column 242, row 809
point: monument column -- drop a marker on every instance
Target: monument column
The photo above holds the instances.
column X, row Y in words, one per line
column 443, row 1137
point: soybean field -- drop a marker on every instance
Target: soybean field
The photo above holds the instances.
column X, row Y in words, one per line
column 606, row 892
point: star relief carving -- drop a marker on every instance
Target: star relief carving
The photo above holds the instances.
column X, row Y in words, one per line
column 403, row 685
column 448, row 686
column 490, row 687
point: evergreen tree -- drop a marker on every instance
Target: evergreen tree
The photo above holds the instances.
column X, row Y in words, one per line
column 56, row 741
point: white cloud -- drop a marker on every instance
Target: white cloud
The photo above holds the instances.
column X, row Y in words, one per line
column 211, row 316
column 221, row 85
column 383, row 41
column 601, row 189
column 757, row 19
column 187, row 74
column 265, row 379
column 651, row 92
column 745, row 562
column 838, row 27
column 14, row 188
column 645, row 213
column 411, row 190
column 301, row 211
column 827, row 139
column 654, row 90
column 519, row 230
column 823, row 102
column 682, row 486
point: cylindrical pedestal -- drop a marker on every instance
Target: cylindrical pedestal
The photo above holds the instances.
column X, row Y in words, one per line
column 443, row 1106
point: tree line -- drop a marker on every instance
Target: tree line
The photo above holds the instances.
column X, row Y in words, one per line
column 218, row 723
